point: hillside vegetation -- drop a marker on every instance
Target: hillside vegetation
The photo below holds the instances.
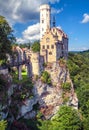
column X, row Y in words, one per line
column 78, row 64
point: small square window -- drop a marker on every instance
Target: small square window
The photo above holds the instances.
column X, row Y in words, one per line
column 47, row 46
column 52, row 46
column 43, row 47
column 42, row 21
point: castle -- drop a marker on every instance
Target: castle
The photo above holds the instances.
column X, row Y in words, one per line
column 53, row 42
column 53, row 45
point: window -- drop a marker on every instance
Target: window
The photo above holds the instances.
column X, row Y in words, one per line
column 42, row 21
column 50, row 53
column 47, row 39
column 47, row 46
column 43, row 47
column 52, row 46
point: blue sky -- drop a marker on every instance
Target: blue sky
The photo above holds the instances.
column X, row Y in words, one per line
column 72, row 16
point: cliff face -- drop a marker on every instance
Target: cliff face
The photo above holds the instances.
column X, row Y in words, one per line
column 51, row 97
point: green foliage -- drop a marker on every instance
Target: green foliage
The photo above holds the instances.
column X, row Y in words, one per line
column 25, row 45
column 46, row 77
column 62, row 62
column 3, row 125
column 66, row 119
column 66, row 86
column 39, row 115
column 45, row 125
column 45, row 64
column 78, row 64
column 35, row 47
column 6, row 38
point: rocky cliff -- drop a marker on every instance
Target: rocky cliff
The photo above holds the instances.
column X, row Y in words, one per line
column 21, row 98
column 51, row 97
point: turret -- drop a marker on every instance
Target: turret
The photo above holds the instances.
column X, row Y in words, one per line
column 44, row 19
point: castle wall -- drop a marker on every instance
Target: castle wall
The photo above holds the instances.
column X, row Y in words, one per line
column 35, row 61
column 65, row 48
column 48, row 47
column 59, row 50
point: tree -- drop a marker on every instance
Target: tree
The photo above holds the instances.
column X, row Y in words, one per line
column 36, row 47
column 67, row 118
column 3, row 125
column 27, row 45
column 6, row 38
column 45, row 125
column 46, row 77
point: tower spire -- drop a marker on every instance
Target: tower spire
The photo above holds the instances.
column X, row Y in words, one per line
column 54, row 21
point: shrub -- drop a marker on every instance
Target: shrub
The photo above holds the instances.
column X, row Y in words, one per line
column 3, row 124
column 45, row 64
column 46, row 77
column 36, row 47
column 66, row 86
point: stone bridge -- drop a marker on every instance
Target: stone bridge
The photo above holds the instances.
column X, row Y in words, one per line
column 20, row 59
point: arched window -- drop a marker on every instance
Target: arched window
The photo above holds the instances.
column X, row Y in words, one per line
column 50, row 53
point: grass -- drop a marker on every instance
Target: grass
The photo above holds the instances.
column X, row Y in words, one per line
column 16, row 79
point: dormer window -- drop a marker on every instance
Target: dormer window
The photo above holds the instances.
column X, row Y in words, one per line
column 47, row 39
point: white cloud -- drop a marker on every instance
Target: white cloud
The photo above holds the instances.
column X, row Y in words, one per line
column 32, row 33
column 21, row 40
column 85, row 18
column 59, row 27
column 55, row 11
column 22, row 10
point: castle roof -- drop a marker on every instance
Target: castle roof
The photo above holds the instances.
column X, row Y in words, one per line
column 58, row 32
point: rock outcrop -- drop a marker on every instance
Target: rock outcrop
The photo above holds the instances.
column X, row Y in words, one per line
column 51, row 97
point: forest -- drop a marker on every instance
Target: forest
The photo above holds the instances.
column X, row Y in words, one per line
column 78, row 64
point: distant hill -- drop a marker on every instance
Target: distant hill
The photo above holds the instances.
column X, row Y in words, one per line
column 79, row 51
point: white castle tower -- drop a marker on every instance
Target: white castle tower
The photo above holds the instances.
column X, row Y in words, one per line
column 44, row 18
